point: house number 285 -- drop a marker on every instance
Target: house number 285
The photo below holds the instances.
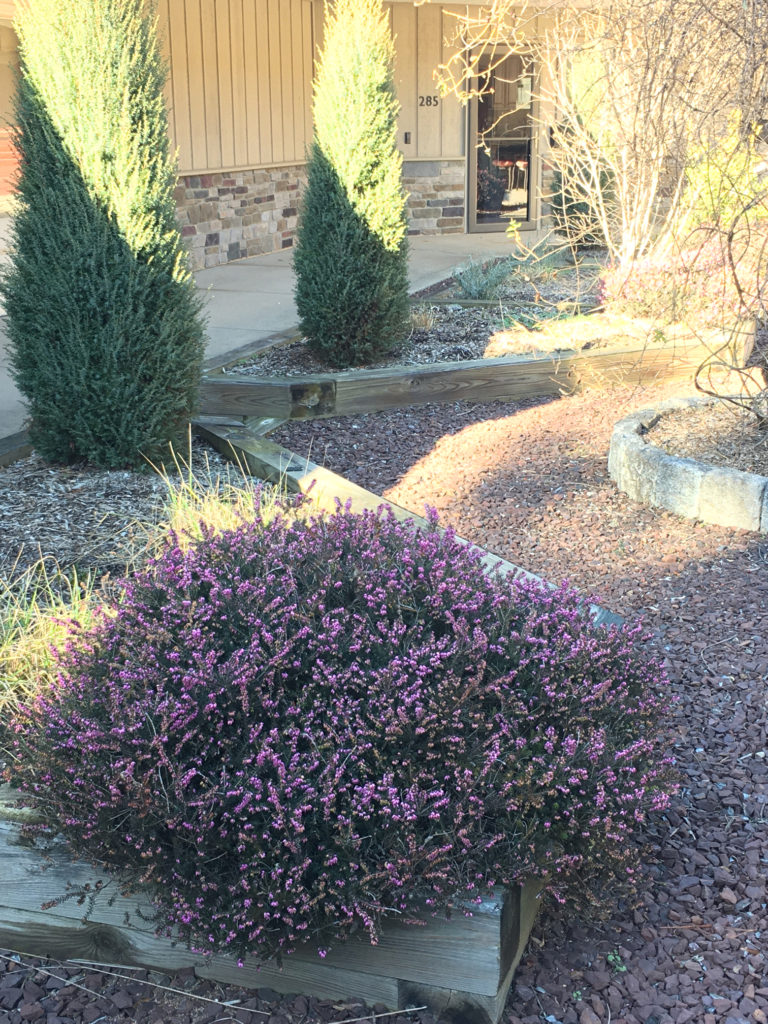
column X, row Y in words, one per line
column 429, row 101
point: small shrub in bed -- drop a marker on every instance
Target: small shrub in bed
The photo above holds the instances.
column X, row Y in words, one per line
column 351, row 254
column 290, row 730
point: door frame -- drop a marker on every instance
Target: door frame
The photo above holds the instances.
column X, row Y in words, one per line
column 534, row 171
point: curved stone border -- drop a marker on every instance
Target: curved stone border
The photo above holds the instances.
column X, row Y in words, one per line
column 696, row 490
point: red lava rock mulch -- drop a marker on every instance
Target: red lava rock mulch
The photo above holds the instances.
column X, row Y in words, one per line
column 531, row 484
column 56, row 992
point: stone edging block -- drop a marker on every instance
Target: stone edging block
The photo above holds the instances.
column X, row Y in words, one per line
column 696, row 490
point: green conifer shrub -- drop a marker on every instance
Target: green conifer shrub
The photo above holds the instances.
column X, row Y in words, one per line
column 351, row 245
column 104, row 321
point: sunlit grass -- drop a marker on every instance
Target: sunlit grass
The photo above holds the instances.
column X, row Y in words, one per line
column 37, row 610
column 201, row 501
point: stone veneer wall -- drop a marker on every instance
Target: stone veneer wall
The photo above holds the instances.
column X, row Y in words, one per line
column 229, row 215
column 436, row 196
column 226, row 216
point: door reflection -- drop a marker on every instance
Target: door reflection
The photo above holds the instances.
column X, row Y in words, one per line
column 504, row 136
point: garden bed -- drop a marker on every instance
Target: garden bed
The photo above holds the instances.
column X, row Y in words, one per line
column 529, row 481
column 690, row 487
column 533, row 484
column 460, row 966
column 540, row 334
column 505, row 378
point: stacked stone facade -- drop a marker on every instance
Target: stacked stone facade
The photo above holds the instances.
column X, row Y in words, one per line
column 436, row 196
column 229, row 215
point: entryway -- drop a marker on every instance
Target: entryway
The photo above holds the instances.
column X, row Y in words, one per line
column 501, row 148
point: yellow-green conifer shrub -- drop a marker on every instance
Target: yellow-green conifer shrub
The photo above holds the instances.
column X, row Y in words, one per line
column 351, row 247
column 103, row 317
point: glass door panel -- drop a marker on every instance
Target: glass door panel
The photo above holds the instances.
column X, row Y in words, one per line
column 502, row 152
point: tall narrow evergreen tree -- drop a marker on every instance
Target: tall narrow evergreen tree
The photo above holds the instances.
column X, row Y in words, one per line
column 351, row 246
column 103, row 317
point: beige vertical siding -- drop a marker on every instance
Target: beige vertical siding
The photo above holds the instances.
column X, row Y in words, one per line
column 421, row 43
column 240, row 85
column 240, row 90
column 451, row 111
column 404, row 28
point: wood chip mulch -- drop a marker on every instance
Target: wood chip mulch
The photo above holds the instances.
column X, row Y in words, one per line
column 719, row 434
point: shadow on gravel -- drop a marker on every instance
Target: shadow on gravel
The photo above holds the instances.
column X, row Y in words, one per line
column 378, row 450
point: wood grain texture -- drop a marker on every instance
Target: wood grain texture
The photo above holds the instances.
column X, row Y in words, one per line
column 276, row 82
column 264, row 90
column 404, row 30
column 244, row 396
column 252, row 97
column 239, row 64
column 478, row 380
column 198, row 158
column 211, row 85
column 176, row 49
column 286, row 49
column 224, row 77
column 467, row 957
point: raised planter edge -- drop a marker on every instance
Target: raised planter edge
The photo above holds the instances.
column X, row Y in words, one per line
column 696, row 490
column 505, row 378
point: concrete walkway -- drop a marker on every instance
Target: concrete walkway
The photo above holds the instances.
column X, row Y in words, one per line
column 251, row 300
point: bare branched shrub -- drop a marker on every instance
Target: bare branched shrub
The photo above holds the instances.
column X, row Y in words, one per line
column 652, row 111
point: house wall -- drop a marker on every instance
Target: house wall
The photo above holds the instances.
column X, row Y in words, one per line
column 240, row 114
column 239, row 98
column 8, row 157
column 240, row 95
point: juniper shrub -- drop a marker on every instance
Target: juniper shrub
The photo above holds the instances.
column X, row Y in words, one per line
column 291, row 729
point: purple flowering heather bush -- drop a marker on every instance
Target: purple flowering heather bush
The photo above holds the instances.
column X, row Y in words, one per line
column 288, row 731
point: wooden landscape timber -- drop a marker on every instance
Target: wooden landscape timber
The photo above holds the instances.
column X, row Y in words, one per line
column 460, row 966
column 508, row 378
column 266, row 460
column 14, row 447
column 573, row 308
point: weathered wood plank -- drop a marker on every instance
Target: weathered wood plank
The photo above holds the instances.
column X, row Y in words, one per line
column 14, row 447
column 315, row 979
column 508, row 378
column 269, row 461
column 243, row 396
column 466, row 956
column 479, row 380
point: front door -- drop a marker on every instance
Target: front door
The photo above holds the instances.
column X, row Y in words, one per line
column 502, row 147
